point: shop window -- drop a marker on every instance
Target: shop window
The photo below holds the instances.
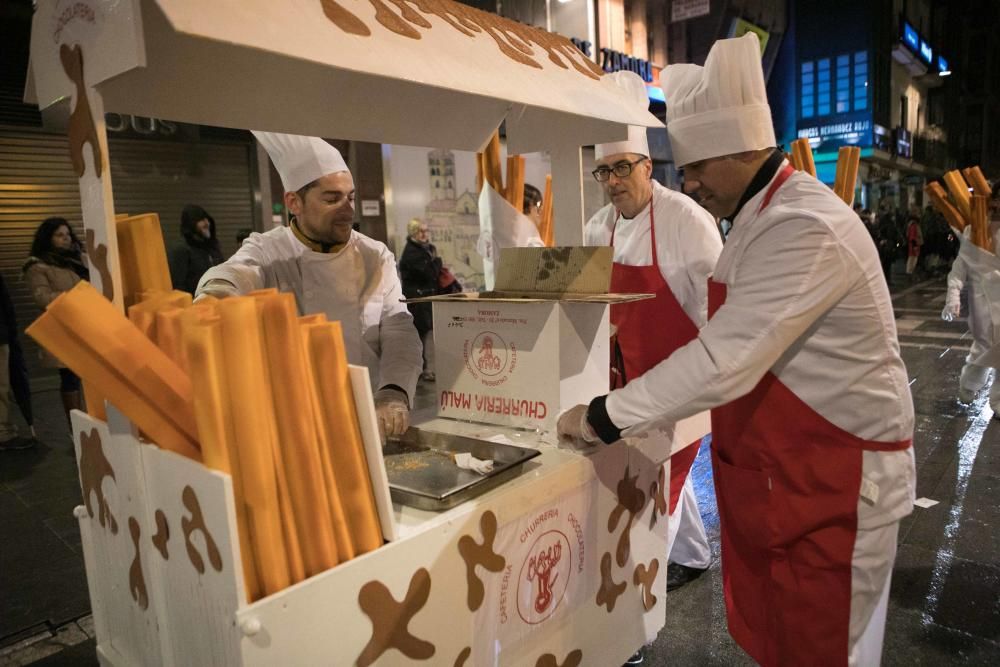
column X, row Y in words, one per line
column 843, row 83
column 807, row 89
column 823, row 86
column 860, row 80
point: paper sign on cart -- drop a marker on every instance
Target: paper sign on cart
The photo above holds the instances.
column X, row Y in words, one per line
column 551, row 562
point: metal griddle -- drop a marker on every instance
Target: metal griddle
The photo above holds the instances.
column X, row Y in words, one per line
column 422, row 473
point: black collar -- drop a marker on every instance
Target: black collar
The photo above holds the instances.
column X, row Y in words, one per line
column 760, row 180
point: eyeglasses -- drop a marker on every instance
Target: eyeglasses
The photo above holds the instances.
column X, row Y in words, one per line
column 621, row 170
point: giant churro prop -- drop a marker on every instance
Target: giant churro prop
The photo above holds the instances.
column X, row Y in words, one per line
column 236, row 510
column 846, row 175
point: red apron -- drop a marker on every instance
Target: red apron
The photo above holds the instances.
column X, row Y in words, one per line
column 787, row 483
column 648, row 332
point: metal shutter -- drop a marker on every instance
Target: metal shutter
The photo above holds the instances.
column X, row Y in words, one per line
column 37, row 181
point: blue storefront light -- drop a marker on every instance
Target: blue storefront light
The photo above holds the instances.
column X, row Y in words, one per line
column 942, row 66
column 926, row 52
column 911, row 37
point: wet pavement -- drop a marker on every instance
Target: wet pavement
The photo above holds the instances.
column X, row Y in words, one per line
column 945, row 599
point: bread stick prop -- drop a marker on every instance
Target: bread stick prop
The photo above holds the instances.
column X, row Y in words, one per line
column 203, row 346
column 805, row 156
column 980, row 186
column 142, row 256
column 254, row 431
column 959, row 191
column 939, row 198
column 333, row 389
column 297, row 432
column 546, row 230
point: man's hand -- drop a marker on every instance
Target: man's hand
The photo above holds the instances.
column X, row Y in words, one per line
column 392, row 411
column 573, row 428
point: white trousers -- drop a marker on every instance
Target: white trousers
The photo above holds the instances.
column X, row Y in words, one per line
column 871, row 575
column 686, row 531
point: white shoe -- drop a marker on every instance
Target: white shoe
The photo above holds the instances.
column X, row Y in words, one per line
column 966, row 395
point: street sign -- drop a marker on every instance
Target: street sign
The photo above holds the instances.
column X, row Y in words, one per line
column 681, row 10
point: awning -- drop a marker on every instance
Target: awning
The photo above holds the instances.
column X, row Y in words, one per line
column 417, row 72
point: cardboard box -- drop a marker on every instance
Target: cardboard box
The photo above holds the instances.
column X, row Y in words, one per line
column 535, row 346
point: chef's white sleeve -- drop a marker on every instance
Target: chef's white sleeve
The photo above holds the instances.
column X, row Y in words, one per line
column 699, row 246
column 401, row 357
column 956, row 277
column 243, row 271
column 788, row 277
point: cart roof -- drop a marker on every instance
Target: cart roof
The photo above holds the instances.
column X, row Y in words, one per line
column 418, row 72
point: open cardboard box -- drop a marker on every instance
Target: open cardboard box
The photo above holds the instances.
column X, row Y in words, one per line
column 536, row 345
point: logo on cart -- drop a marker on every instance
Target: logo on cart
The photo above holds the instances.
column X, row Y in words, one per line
column 489, row 358
column 544, row 577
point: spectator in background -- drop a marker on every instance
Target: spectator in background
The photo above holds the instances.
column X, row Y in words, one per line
column 197, row 252
column 423, row 274
column 55, row 266
column 914, row 242
column 9, row 437
column 532, row 206
column 242, row 235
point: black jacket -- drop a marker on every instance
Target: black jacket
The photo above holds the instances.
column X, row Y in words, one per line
column 196, row 254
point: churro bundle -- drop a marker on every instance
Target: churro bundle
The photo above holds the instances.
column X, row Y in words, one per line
column 802, row 157
column 848, row 159
column 488, row 171
column 961, row 208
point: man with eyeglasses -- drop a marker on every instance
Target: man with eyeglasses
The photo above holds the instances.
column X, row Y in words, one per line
column 812, row 419
column 667, row 245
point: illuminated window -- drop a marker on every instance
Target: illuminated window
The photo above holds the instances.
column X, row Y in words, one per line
column 823, row 86
column 860, row 80
column 807, row 89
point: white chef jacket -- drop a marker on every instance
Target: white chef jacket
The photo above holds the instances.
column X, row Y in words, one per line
column 357, row 285
column 807, row 301
column 979, row 270
column 688, row 245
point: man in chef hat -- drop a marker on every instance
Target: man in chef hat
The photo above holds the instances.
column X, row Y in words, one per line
column 331, row 269
column 667, row 245
column 812, row 418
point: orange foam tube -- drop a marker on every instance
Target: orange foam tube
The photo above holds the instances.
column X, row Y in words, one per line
column 545, row 227
column 155, row 376
column 341, row 527
column 143, row 313
column 297, row 432
column 329, row 358
column 203, row 346
column 100, row 371
column 959, row 191
column 142, row 256
column 254, row 433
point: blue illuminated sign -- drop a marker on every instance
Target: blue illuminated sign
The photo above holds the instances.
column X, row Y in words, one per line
column 942, row 65
column 926, row 52
column 911, row 37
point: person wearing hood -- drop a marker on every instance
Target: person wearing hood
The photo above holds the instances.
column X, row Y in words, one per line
column 667, row 245
column 196, row 252
column 812, row 418
column 56, row 265
column 331, row 269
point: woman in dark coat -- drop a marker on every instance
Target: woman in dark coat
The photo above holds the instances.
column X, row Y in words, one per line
column 422, row 274
column 197, row 252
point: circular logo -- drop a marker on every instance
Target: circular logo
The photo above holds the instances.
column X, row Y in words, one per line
column 544, row 577
column 489, row 354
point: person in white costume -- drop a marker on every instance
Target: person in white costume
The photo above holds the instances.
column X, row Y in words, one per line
column 331, row 269
column 812, row 418
column 687, row 245
column 979, row 272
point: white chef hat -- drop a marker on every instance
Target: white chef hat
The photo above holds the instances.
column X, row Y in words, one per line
column 300, row 160
column 721, row 108
column 634, row 93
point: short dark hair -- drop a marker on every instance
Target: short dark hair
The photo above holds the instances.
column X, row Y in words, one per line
column 301, row 192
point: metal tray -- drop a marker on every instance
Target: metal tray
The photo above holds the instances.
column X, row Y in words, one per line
column 422, row 473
